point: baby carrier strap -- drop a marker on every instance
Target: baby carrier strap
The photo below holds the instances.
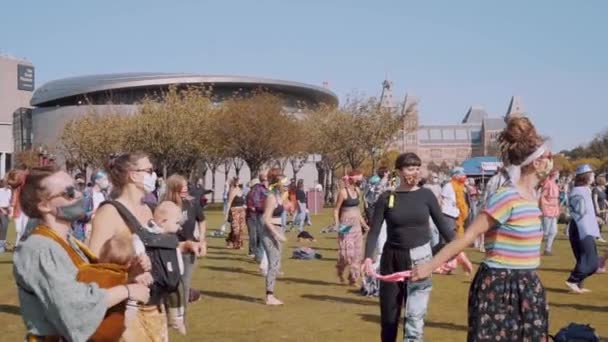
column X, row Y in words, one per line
column 149, row 239
column 74, row 256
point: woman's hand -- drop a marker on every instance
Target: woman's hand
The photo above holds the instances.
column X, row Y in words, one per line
column 422, row 271
column 202, row 248
column 144, row 262
column 139, row 293
column 367, row 267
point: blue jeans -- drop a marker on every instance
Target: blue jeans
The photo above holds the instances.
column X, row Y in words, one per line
column 254, row 226
column 585, row 252
column 549, row 231
column 415, row 295
column 301, row 216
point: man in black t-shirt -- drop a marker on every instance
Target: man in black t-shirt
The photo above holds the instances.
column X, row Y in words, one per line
column 194, row 228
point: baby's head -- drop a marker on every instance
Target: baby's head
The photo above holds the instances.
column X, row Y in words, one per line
column 168, row 216
column 118, row 250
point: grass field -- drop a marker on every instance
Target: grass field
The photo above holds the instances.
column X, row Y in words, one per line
column 318, row 308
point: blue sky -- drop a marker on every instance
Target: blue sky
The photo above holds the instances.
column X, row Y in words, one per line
column 451, row 54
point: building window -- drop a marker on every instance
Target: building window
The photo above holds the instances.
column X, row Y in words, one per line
column 448, row 134
column 435, row 134
column 435, row 153
column 476, row 137
column 22, row 129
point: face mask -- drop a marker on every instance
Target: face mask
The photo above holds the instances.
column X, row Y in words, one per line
column 544, row 173
column 411, row 180
column 149, row 182
column 71, row 212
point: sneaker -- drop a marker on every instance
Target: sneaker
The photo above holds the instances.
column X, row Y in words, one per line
column 585, row 290
column 482, row 249
column 601, row 268
column 272, row 300
column 601, row 239
column 574, row 287
column 194, row 296
column 548, row 253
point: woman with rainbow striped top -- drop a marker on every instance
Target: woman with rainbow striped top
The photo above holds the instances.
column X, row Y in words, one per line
column 507, row 301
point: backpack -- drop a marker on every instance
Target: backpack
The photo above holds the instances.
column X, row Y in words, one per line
column 161, row 249
column 576, row 333
column 305, row 253
column 256, row 198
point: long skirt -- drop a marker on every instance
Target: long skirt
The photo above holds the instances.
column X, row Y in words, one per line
column 507, row 305
column 350, row 246
column 237, row 226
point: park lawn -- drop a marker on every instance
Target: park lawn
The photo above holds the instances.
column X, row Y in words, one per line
column 317, row 308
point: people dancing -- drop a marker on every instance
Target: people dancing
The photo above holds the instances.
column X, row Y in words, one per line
column 348, row 217
column 583, row 229
column 272, row 234
column 236, row 214
column 507, row 301
column 406, row 212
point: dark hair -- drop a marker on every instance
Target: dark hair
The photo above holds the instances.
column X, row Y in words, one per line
column 381, row 171
column 274, row 175
column 406, row 160
column 32, row 191
column 300, row 184
column 422, row 182
column 582, row 179
column 518, row 140
column 118, row 167
column 2, row 184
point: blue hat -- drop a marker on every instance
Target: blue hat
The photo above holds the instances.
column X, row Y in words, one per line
column 457, row 171
column 374, row 180
column 583, row 168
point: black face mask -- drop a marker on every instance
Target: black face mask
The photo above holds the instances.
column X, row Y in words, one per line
column 71, row 212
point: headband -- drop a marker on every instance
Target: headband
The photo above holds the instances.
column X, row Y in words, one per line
column 514, row 171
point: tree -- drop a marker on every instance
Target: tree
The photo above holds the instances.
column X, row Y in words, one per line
column 297, row 162
column 238, row 164
column 255, row 129
column 226, row 165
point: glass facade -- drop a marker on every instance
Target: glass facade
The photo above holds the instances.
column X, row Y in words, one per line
column 22, row 129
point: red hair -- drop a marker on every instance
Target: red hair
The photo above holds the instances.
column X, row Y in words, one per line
column 349, row 178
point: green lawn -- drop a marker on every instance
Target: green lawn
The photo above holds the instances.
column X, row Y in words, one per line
column 317, row 308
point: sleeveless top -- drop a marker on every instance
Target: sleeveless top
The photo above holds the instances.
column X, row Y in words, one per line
column 238, row 201
column 350, row 202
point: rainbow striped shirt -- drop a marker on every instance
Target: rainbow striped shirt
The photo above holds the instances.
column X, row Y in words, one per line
column 515, row 241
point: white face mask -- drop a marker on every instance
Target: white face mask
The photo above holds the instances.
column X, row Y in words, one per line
column 103, row 183
column 149, row 182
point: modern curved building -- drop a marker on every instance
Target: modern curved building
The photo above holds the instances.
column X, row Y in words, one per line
column 57, row 102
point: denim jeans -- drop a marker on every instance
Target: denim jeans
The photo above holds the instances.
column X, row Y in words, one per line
column 549, row 231
column 189, row 266
column 254, row 225
column 301, row 216
column 3, row 231
column 415, row 295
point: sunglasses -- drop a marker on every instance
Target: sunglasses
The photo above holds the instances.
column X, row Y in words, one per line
column 69, row 193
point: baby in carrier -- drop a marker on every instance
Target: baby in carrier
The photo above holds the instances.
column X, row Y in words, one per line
column 167, row 263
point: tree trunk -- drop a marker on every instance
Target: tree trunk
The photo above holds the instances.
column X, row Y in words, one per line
column 213, row 171
column 254, row 168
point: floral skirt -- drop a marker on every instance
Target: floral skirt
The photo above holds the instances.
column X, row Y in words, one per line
column 507, row 305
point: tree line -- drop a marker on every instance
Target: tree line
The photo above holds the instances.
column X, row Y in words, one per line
column 594, row 153
column 189, row 132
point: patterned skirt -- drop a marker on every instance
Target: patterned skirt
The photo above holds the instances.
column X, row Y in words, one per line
column 507, row 305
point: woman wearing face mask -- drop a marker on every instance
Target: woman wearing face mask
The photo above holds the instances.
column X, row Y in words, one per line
column 349, row 220
column 193, row 232
column 507, row 301
column 272, row 234
column 583, row 229
column 406, row 212
column 236, row 214
column 93, row 197
column 132, row 176
column 54, row 306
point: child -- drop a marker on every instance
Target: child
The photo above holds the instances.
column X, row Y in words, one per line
column 168, row 217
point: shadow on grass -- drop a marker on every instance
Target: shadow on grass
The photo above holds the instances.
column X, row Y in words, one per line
column 231, row 270
column 233, row 296
column 308, row 281
column 10, row 309
column 439, row 325
column 325, row 298
column 226, row 257
column 559, row 270
column 556, row 290
column 6, row 262
column 582, row 307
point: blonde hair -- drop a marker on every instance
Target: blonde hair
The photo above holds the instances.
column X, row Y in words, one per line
column 118, row 250
column 164, row 210
column 175, row 183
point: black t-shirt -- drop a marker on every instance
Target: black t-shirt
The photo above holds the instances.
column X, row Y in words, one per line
column 192, row 212
column 407, row 223
column 301, row 196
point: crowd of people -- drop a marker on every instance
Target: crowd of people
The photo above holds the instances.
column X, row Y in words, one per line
column 115, row 258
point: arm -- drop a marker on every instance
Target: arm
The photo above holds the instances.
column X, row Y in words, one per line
column 596, row 204
column 339, row 201
column 376, row 225
column 482, row 224
column 438, row 219
column 105, row 225
column 231, row 196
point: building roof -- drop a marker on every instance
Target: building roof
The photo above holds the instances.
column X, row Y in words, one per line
column 475, row 114
column 67, row 87
column 516, row 107
column 494, row 124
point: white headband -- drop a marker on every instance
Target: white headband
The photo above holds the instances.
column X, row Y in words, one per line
column 514, row 171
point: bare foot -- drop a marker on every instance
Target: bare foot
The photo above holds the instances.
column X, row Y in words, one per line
column 272, row 300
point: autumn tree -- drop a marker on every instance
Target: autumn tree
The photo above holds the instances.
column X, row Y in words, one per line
column 255, row 129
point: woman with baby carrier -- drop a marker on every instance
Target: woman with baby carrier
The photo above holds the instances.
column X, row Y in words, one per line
column 55, row 306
